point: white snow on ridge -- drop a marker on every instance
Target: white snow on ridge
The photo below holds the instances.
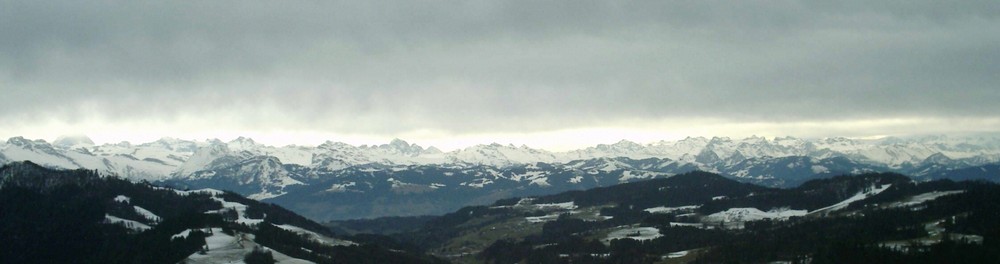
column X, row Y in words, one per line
column 209, row 191
column 264, row 195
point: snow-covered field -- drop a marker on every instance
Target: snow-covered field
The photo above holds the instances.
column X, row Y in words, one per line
column 857, row 197
column 635, row 233
column 751, row 214
column 224, row 248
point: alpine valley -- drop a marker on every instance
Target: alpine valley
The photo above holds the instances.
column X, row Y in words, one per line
column 337, row 181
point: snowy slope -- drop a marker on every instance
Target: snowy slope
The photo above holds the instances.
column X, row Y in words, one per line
column 224, row 248
column 857, row 197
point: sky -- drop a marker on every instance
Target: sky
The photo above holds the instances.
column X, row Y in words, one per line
column 549, row 74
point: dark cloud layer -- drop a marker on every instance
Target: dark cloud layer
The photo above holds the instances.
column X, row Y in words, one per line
column 486, row 66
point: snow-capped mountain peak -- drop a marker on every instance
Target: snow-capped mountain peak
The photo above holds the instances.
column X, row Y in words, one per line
column 169, row 157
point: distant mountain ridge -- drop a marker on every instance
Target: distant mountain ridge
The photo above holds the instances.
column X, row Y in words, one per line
column 400, row 178
column 187, row 155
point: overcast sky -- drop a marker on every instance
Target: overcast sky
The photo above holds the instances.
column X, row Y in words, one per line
column 549, row 74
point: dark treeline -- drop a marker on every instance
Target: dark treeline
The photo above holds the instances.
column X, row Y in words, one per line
column 58, row 216
column 858, row 237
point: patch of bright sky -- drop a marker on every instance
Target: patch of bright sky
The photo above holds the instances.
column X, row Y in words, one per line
column 556, row 140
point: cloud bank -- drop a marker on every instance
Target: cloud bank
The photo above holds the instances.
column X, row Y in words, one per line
column 389, row 68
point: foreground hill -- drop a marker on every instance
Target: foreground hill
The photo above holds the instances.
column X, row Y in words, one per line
column 58, row 216
column 706, row 218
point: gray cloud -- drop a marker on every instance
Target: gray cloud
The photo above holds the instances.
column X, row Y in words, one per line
column 487, row 66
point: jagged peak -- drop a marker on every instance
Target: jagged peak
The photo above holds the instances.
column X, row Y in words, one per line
column 16, row 140
column 334, row 144
column 244, row 140
column 402, row 146
column 21, row 141
column 718, row 140
column 756, row 139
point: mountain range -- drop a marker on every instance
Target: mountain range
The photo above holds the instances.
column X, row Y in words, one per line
column 336, row 180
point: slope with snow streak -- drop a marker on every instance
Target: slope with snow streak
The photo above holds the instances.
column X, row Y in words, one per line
column 923, row 198
column 857, row 197
column 131, row 225
column 147, row 214
column 316, row 236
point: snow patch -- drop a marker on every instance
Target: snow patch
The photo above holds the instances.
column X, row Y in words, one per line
column 817, row 169
column 677, row 254
column 341, row 187
column 147, row 214
column 542, row 219
column 544, row 182
column 667, row 210
column 240, row 211
column 182, row 234
column 123, row 199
